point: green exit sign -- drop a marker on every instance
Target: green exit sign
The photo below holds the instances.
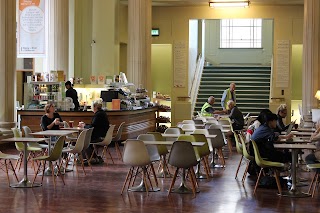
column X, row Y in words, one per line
column 155, row 32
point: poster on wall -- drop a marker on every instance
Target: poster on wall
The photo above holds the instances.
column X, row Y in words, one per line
column 31, row 28
column 283, row 63
column 179, row 64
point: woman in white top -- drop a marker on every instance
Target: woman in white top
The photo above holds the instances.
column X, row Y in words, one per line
column 260, row 120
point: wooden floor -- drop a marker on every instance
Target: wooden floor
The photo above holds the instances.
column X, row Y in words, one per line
column 99, row 191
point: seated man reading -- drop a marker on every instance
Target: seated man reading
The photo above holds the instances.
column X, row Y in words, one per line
column 264, row 136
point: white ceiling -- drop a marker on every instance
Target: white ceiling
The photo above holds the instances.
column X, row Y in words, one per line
column 205, row 2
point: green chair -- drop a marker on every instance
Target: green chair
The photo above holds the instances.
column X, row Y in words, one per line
column 275, row 166
column 246, row 156
column 239, row 151
column 163, row 151
column 53, row 156
column 20, row 147
column 314, row 183
column 202, row 154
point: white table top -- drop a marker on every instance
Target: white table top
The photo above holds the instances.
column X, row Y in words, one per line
column 296, row 140
column 54, row 132
column 305, row 129
column 294, row 146
column 301, row 133
column 168, row 143
column 23, row 139
column 177, row 135
column 73, row 128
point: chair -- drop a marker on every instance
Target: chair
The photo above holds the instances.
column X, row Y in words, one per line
column 182, row 155
column 188, row 122
column 239, row 151
column 116, row 139
column 152, row 151
column 188, row 127
column 266, row 164
column 202, row 154
column 86, row 144
column 105, row 143
column 27, row 132
column 53, row 156
column 174, row 130
column 72, row 137
column 76, row 151
column 246, row 156
column 218, row 143
column 314, row 183
column 227, row 122
column 136, row 155
column 20, row 148
column 163, row 151
column 7, row 158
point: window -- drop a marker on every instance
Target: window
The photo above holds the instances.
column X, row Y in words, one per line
column 240, row 33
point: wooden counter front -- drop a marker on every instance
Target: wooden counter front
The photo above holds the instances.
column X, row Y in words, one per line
column 136, row 121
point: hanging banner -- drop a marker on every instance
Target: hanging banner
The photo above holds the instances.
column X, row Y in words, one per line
column 32, row 28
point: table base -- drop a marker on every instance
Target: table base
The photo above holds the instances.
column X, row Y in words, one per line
column 201, row 176
column 295, row 193
column 25, row 184
column 164, row 174
column 183, row 189
column 142, row 188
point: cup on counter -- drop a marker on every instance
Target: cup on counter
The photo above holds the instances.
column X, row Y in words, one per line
column 71, row 124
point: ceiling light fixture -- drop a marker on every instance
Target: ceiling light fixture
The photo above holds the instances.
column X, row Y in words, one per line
column 229, row 3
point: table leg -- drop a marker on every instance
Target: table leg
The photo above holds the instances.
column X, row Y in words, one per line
column 141, row 187
column 294, row 192
column 25, row 183
column 164, row 172
column 183, row 189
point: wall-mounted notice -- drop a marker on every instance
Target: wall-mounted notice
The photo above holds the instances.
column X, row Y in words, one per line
column 179, row 64
column 283, row 63
column 32, row 28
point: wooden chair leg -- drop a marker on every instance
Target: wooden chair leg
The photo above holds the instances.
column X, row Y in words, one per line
column 53, row 176
column 206, row 160
column 256, row 186
column 276, row 174
column 192, row 183
column 312, row 182
column 154, row 174
column 315, row 184
column 129, row 174
column 173, row 181
column 108, row 150
column 193, row 175
column 43, row 170
column 36, row 174
column 144, row 174
column 245, row 173
column 14, row 172
column 238, row 167
column 148, row 175
column 60, row 174
column 82, row 163
column 134, row 177
column 118, row 150
column 5, row 163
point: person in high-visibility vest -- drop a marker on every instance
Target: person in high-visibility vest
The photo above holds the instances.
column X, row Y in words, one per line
column 228, row 95
column 208, row 110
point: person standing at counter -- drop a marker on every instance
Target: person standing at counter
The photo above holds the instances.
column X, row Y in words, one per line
column 72, row 93
column 51, row 120
column 100, row 122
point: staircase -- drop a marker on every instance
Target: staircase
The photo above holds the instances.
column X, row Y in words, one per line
column 252, row 86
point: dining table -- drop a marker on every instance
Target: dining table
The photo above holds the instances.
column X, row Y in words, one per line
column 24, row 183
column 295, row 147
column 51, row 134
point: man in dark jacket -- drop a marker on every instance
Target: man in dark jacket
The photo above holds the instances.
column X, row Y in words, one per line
column 72, row 93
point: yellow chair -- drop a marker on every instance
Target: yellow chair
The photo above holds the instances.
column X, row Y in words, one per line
column 248, row 158
column 266, row 164
column 53, row 156
column 239, row 151
column 314, row 183
column 202, row 154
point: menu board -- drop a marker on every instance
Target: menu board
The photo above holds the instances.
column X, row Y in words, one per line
column 179, row 64
column 32, row 28
column 283, row 63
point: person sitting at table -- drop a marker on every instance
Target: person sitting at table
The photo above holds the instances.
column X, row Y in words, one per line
column 237, row 121
column 208, row 110
column 259, row 120
column 100, row 122
column 281, row 114
column 265, row 137
column 51, row 120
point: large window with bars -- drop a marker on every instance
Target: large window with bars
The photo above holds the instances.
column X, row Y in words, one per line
column 240, row 33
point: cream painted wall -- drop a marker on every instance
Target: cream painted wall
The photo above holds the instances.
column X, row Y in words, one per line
column 174, row 25
column 296, row 74
column 105, row 50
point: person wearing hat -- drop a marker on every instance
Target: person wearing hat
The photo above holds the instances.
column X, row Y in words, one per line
column 72, row 93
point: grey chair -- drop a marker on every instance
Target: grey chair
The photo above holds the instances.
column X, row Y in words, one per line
column 136, row 155
column 218, row 143
column 182, row 155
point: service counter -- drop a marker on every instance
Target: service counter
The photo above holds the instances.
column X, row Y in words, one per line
column 136, row 121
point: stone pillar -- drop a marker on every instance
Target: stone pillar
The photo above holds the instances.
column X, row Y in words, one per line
column 58, row 51
column 7, row 59
column 139, row 43
column 311, row 56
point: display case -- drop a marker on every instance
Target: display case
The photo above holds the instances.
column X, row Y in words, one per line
column 38, row 93
column 163, row 115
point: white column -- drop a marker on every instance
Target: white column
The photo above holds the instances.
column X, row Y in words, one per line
column 310, row 73
column 7, row 59
column 58, row 50
column 139, row 42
